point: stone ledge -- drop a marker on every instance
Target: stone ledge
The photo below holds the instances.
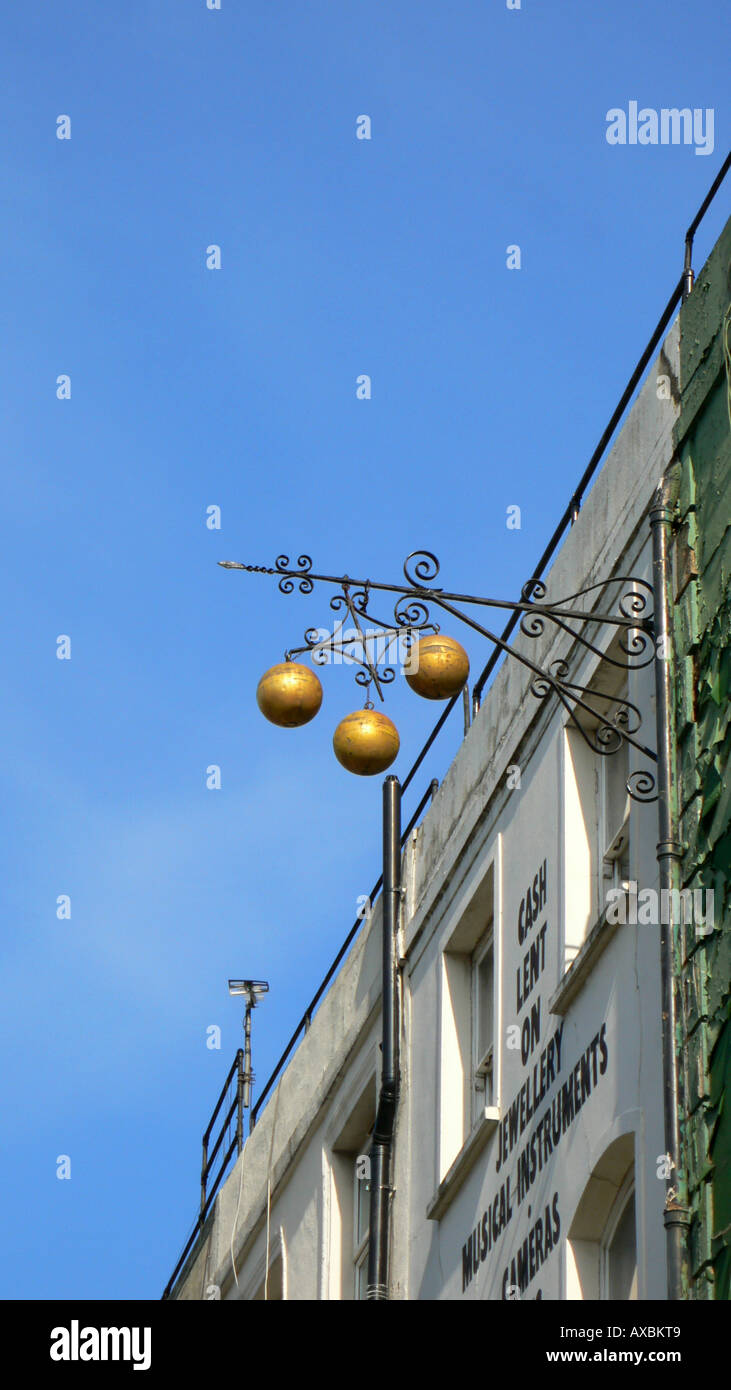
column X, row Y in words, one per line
column 583, row 964
column 463, row 1163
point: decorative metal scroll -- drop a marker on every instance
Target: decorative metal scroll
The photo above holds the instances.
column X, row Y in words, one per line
column 624, row 603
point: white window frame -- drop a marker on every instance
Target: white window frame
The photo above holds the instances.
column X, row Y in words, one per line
column 614, row 838
column 483, row 1067
column 348, row 1138
column 464, row 1120
column 361, row 1243
column 603, row 835
column 627, row 1192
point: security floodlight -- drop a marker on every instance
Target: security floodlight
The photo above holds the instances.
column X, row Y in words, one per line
column 250, row 989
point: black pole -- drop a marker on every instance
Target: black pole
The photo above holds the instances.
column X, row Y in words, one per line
column 204, row 1180
column 669, row 853
column 240, row 1107
column 248, row 1074
column 380, row 1206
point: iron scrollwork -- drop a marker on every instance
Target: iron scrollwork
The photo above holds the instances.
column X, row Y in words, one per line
column 606, row 722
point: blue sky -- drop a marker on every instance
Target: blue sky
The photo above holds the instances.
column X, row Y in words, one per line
column 237, row 388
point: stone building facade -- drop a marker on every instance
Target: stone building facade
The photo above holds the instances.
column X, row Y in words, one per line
column 529, row 1154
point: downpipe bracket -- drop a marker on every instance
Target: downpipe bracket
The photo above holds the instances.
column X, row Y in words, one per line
column 378, row 1293
column 670, row 849
column 676, row 1216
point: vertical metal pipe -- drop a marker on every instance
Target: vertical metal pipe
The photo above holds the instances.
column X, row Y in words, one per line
column 688, row 279
column 247, row 1057
column 669, row 854
column 380, row 1203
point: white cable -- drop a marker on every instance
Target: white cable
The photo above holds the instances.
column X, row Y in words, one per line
column 236, row 1217
column 269, row 1203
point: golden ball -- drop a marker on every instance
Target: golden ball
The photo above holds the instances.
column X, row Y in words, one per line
column 366, row 742
column 437, row 667
column 289, row 695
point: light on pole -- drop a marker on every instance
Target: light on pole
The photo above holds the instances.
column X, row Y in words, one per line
column 251, row 991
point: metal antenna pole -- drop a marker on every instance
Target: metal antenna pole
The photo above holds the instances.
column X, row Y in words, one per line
column 247, row 1058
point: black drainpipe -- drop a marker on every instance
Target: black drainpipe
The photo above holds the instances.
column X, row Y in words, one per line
column 669, row 854
column 380, row 1207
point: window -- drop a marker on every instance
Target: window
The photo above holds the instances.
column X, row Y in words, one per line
column 348, row 1163
column 619, row 1251
column 602, row 1245
column 596, row 813
column 614, row 806
column 468, row 1085
column 361, row 1227
column 483, row 1025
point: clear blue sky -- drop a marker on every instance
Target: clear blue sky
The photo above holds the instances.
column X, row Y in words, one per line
column 192, row 387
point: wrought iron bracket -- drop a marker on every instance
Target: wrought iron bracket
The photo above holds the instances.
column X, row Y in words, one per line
column 623, row 603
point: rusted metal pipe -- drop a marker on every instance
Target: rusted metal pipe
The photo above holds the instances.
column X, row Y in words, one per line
column 669, row 853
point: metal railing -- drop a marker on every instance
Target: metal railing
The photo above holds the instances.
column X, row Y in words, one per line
column 570, row 515
column 208, row 1193
column 681, row 291
column 236, row 1107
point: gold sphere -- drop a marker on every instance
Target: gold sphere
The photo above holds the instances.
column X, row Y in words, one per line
column 437, row 667
column 366, row 742
column 289, row 695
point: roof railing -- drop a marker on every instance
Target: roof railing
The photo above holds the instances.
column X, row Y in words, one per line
column 208, row 1189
